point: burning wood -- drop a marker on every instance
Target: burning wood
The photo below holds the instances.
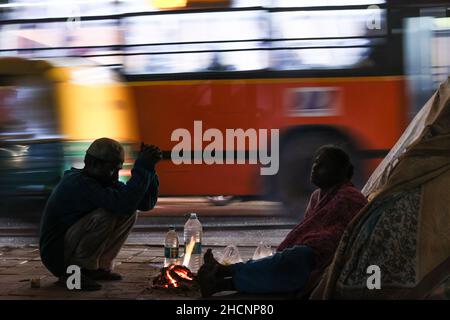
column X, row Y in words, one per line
column 175, row 277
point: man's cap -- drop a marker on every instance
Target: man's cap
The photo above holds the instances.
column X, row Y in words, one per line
column 106, row 149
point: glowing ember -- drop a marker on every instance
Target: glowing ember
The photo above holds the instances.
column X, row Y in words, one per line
column 177, row 276
column 174, row 276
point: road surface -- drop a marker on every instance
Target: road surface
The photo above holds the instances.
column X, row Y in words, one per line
column 240, row 223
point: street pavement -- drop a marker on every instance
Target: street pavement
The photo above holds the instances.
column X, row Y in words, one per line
column 138, row 264
column 247, row 222
column 244, row 224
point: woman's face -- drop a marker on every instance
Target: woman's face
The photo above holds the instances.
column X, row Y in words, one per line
column 323, row 172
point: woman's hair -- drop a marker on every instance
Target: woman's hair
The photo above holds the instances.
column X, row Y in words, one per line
column 340, row 159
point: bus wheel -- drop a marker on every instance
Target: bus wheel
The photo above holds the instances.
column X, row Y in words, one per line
column 220, row 200
column 296, row 157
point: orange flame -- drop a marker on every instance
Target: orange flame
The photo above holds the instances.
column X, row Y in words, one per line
column 189, row 249
column 172, row 281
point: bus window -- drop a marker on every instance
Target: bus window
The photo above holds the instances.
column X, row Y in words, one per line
column 441, row 48
column 427, row 62
column 315, row 3
column 329, row 39
column 62, row 39
column 218, row 57
column 196, row 42
column 27, row 9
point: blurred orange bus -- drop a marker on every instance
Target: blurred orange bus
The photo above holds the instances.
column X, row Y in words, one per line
column 320, row 74
column 346, row 72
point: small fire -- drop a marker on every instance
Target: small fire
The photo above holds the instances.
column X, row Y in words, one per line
column 188, row 252
column 177, row 276
column 174, row 276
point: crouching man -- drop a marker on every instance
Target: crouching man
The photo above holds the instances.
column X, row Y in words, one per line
column 90, row 213
column 308, row 248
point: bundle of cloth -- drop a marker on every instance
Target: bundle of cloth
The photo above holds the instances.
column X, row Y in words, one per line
column 405, row 228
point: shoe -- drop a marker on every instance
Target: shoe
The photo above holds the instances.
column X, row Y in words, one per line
column 213, row 277
column 208, row 281
column 87, row 284
column 210, row 262
column 209, row 259
column 102, row 275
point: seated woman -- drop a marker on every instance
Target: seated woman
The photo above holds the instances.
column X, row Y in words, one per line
column 308, row 248
column 404, row 231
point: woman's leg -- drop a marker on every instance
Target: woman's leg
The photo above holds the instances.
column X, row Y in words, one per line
column 286, row 271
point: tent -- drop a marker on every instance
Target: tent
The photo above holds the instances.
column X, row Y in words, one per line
column 404, row 231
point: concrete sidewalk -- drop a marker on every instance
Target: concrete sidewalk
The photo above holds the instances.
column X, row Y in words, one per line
column 138, row 264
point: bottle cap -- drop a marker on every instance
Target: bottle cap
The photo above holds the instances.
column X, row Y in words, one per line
column 172, row 227
column 193, row 215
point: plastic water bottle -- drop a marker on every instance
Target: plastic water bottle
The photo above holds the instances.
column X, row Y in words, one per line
column 193, row 230
column 171, row 253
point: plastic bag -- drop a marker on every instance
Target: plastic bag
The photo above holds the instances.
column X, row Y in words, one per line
column 229, row 256
column 262, row 250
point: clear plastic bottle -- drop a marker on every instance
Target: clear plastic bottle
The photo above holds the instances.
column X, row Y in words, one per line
column 193, row 230
column 171, row 243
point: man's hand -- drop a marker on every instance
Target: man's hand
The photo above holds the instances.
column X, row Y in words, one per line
column 150, row 153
